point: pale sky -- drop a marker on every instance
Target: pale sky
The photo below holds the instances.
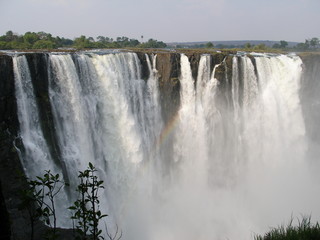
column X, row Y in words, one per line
column 165, row 20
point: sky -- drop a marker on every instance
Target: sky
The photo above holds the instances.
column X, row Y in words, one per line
column 165, row 20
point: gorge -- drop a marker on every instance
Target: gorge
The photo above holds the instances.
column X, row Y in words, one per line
column 189, row 145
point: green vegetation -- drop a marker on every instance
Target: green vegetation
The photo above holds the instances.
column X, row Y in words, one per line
column 86, row 209
column 42, row 40
column 209, row 45
column 153, row 44
column 282, row 45
column 305, row 230
column 311, row 45
column 39, row 202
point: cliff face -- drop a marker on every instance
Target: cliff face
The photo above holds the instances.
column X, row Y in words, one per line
column 168, row 66
column 310, row 98
column 40, row 72
column 9, row 159
column 13, row 222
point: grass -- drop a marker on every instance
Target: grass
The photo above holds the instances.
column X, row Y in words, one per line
column 305, row 230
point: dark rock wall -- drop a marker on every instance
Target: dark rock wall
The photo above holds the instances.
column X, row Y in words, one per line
column 168, row 66
column 144, row 65
column 194, row 59
column 10, row 166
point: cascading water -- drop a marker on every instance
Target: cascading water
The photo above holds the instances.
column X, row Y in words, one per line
column 37, row 155
column 236, row 170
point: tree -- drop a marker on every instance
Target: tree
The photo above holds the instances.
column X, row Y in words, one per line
column 90, row 39
column 276, row 45
column 261, row 46
column 283, row 44
column 307, row 44
column 101, row 39
column 314, row 42
column 44, row 44
column 17, row 45
column 30, row 37
column 248, row 45
column 82, row 42
column 3, row 45
column 302, row 46
column 63, row 42
column 209, row 45
column 153, row 44
column 45, row 36
column 9, row 36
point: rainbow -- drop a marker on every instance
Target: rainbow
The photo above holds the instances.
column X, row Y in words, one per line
column 168, row 129
column 163, row 137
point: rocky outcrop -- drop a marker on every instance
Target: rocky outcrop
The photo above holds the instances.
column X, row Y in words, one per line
column 144, row 65
column 168, row 66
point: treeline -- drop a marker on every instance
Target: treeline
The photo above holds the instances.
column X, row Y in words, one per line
column 42, row 40
column 312, row 44
column 309, row 44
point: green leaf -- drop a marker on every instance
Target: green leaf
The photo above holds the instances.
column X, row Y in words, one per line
column 41, row 179
column 90, row 166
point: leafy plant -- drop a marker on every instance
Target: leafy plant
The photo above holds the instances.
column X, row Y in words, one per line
column 86, row 209
column 39, row 200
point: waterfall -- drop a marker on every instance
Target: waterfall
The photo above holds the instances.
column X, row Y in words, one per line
column 238, row 157
column 36, row 157
column 36, row 153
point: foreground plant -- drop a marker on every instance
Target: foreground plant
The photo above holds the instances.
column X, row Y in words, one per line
column 86, row 209
column 305, row 230
column 39, row 201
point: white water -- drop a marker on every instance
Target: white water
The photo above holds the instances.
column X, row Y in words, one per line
column 36, row 156
column 235, row 171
